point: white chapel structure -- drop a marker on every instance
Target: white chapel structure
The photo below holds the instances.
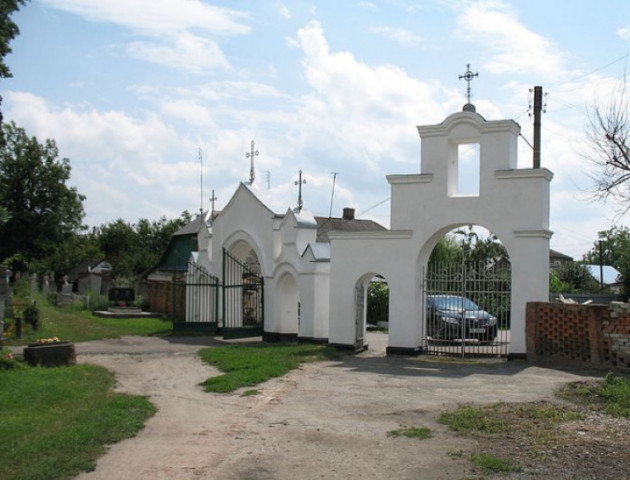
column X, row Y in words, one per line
column 316, row 270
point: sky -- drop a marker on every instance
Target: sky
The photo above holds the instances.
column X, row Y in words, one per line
column 156, row 102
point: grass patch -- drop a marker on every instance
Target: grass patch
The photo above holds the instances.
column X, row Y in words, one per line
column 490, row 463
column 250, row 393
column 467, row 419
column 421, row 433
column 55, row 422
column 611, row 395
column 247, row 365
column 73, row 324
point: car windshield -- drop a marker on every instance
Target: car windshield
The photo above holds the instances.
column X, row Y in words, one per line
column 453, row 302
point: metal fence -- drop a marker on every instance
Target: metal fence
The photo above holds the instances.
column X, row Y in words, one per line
column 466, row 309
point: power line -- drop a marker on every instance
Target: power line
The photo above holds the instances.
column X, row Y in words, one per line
column 374, row 206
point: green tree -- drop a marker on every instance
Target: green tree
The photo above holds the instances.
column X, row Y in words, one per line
column 614, row 245
column 446, row 251
column 134, row 248
column 8, row 31
column 43, row 210
column 377, row 301
column 575, row 277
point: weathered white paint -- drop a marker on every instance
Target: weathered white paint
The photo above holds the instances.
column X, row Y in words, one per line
column 513, row 204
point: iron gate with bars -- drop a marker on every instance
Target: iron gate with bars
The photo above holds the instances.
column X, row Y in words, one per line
column 202, row 296
column 243, row 299
column 466, row 309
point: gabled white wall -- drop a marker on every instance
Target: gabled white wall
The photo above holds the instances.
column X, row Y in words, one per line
column 279, row 242
column 513, row 204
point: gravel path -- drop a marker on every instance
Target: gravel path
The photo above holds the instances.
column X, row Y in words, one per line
column 323, row 421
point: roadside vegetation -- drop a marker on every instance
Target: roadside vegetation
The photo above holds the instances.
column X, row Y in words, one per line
column 249, row 364
column 584, row 435
column 55, row 422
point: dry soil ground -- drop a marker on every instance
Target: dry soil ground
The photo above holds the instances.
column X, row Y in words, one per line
column 323, row 421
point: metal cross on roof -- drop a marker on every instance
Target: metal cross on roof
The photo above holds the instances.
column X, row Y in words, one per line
column 468, row 76
column 213, row 199
column 299, row 182
column 251, row 155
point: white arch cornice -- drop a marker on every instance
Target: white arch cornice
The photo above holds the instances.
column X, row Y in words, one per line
column 468, row 118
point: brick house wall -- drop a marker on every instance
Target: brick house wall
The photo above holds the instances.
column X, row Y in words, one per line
column 597, row 335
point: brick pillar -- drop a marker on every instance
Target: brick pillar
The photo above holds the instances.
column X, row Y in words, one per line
column 531, row 326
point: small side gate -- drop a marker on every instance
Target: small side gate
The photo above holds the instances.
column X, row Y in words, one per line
column 466, row 309
column 243, row 299
column 195, row 300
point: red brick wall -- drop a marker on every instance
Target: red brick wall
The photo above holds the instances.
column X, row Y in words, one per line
column 162, row 299
column 588, row 334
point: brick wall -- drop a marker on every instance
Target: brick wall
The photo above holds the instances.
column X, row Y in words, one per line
column 597, row 335
column 163, row 300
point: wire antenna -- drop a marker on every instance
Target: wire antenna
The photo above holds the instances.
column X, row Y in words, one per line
column 332, row 196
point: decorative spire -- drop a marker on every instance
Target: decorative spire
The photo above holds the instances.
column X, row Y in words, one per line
column 251, row 155
column 299, row 182
column 468, row 76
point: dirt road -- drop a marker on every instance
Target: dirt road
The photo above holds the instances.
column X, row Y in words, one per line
column 324, row 421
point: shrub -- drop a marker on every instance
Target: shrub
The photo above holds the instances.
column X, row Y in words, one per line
column 31, row 316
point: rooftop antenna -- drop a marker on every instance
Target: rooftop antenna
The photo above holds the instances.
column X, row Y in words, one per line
column 334, row 174
column 468, row 76
column 251, row 155
column 299, row 182
column 268, row 176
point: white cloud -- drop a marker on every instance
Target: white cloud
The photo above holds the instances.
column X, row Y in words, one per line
column 623, row 33
column 189, row 111
column 188, row 52
column 158, row 17
column 120, row 163
column 284, row 11
column 401, row 36
column 180, row 34
column 495, row 26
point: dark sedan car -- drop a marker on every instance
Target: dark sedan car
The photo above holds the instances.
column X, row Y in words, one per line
column 452, row 317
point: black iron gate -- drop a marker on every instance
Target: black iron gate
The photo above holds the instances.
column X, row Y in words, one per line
column 243, row 299
column 202, row 296
column 466, row 309
column 195, row 300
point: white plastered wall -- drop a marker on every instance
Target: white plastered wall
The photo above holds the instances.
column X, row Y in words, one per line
column 513, row 204
column 279, row 242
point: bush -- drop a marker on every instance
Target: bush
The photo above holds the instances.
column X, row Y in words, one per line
column 31, row 316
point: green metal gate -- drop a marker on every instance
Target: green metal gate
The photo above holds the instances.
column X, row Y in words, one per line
column 243, row 299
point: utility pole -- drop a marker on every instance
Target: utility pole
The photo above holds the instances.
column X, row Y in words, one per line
column 334, row 174
column 538, row 106
column 601, row 266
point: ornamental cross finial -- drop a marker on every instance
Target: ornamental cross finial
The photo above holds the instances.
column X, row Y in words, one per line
column 468, row 76
column 299, row 182
column 213, row 199
column 251, row 155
